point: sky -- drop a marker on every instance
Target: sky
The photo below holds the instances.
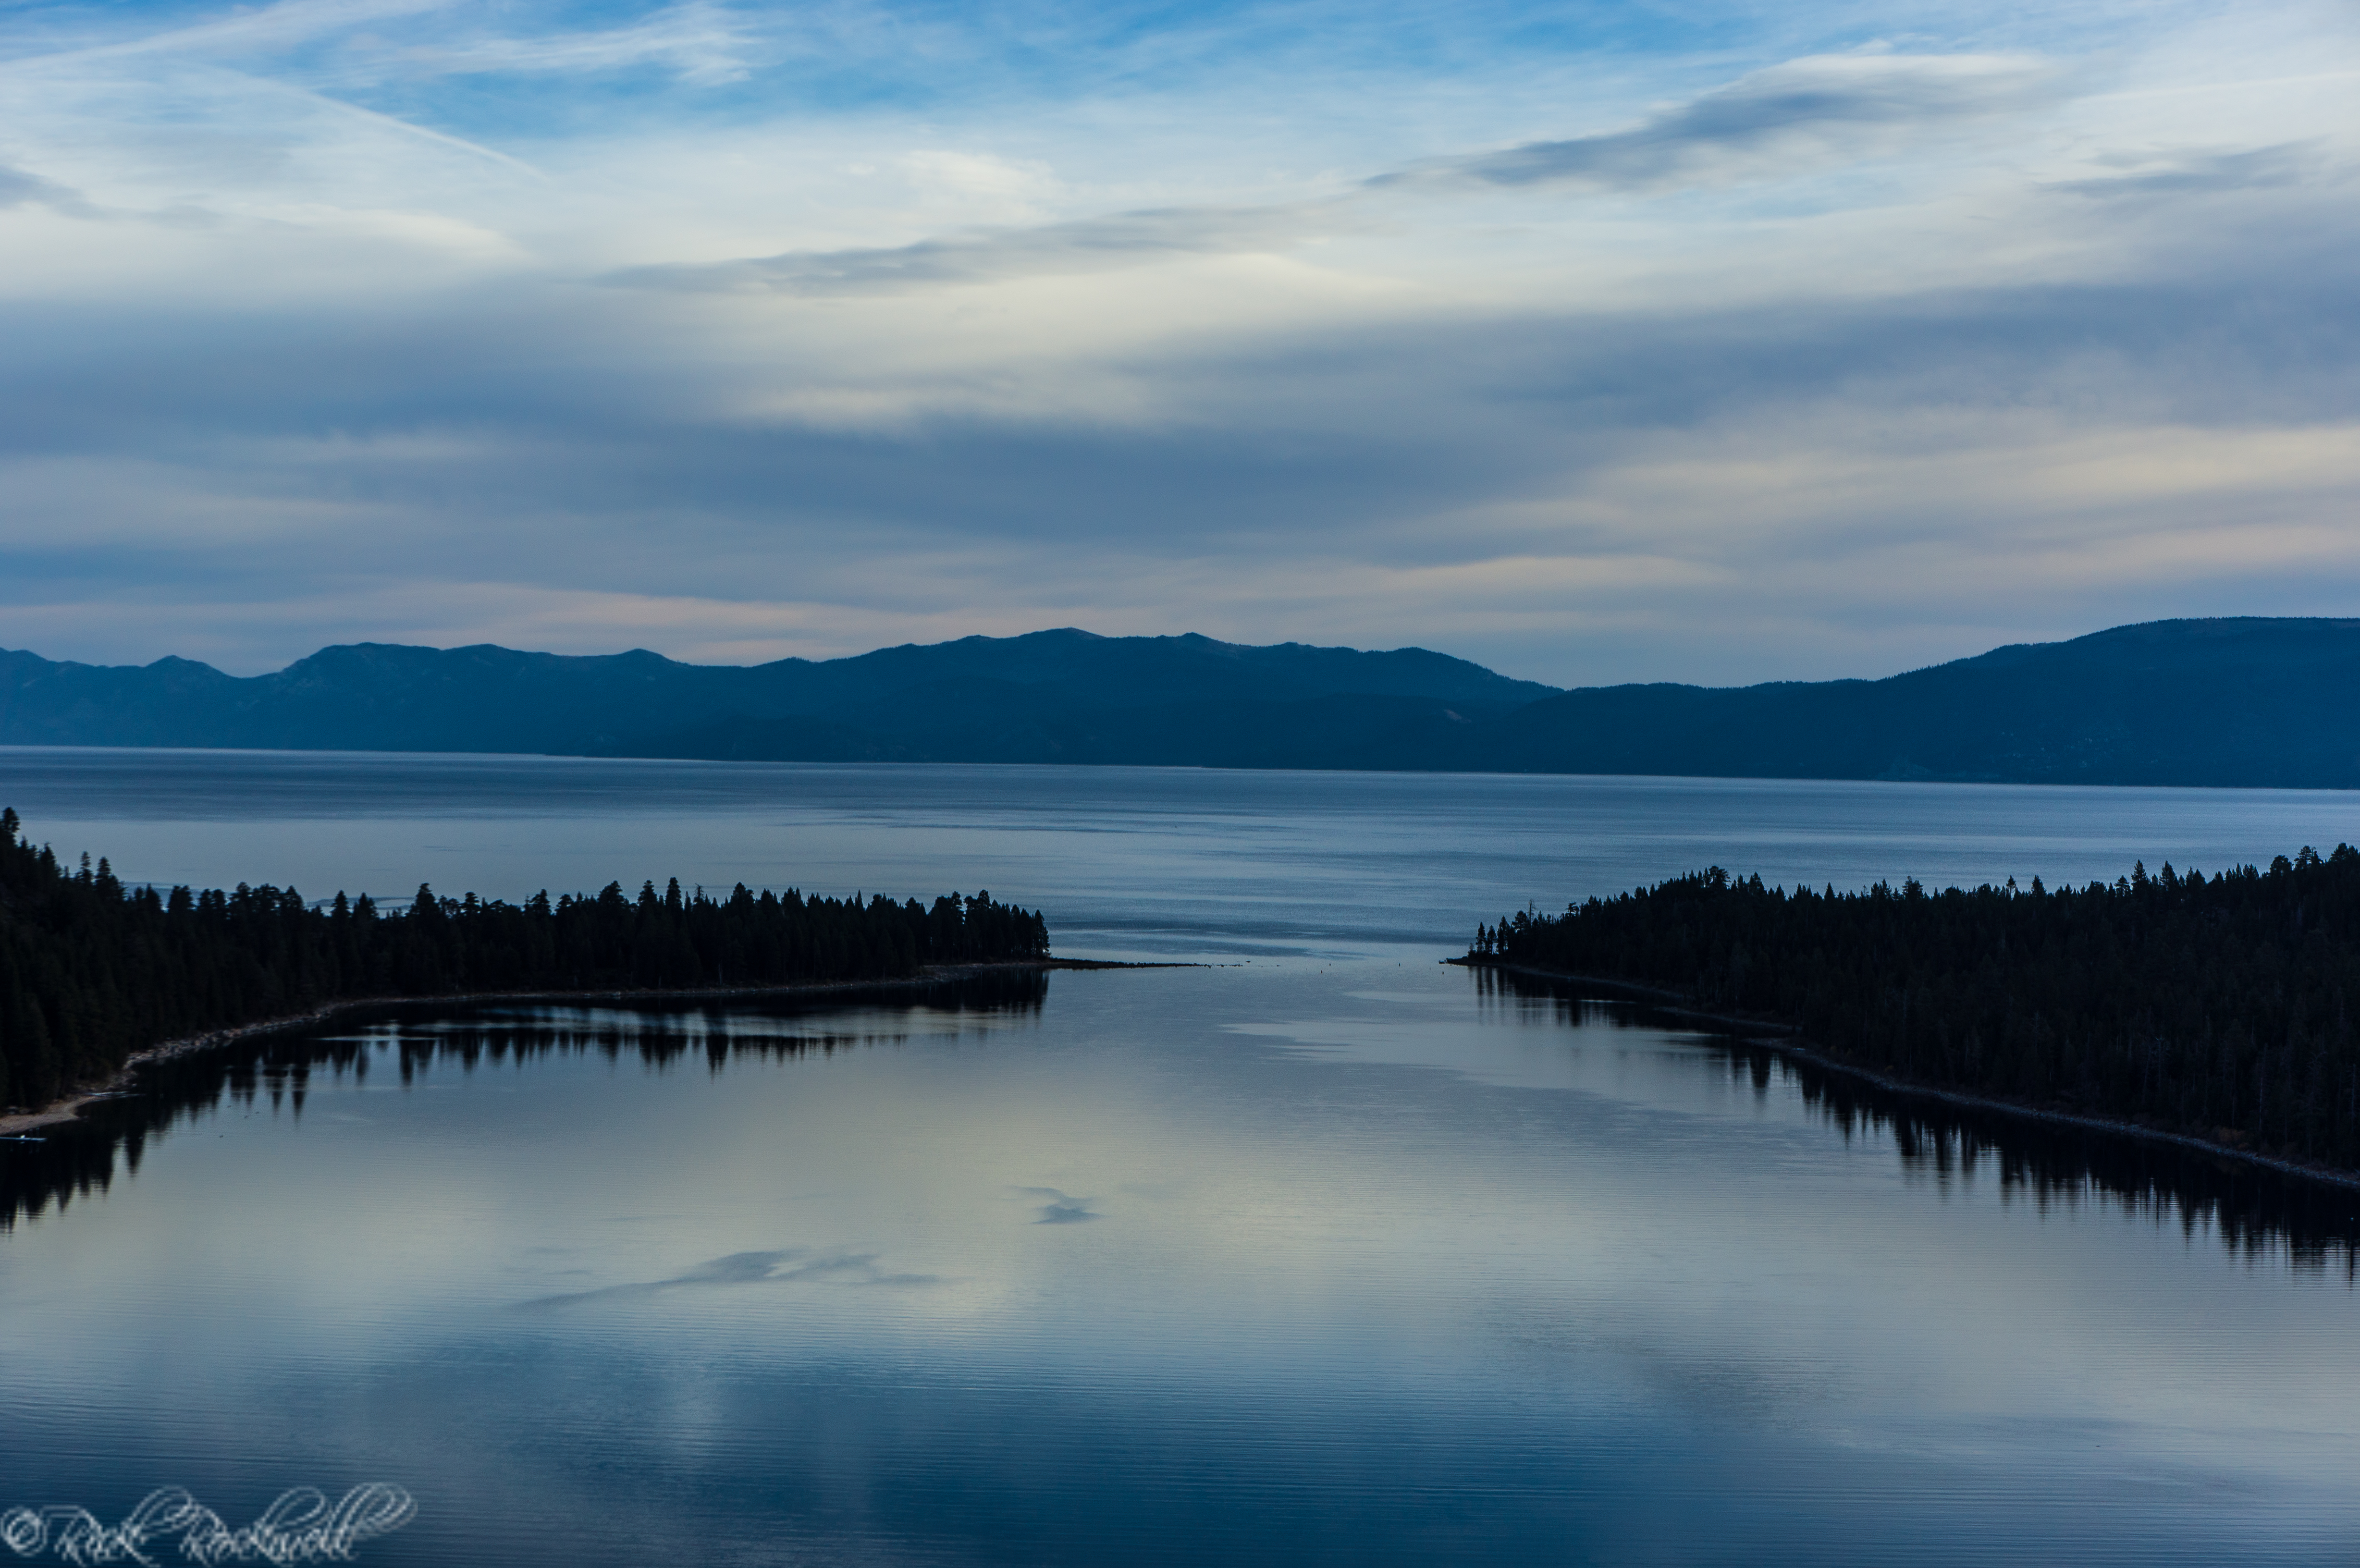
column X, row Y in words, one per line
column 1696, row 340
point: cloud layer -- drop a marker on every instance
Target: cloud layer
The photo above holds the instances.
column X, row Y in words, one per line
column 1597, row 351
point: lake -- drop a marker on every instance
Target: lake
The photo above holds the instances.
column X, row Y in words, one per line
column 1323, row 1252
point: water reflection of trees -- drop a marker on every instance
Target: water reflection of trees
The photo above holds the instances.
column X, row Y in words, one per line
column 81, row 1159
column 2258, row 1213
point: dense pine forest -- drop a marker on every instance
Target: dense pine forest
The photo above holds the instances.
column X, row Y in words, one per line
column 2217, row 1007
column 92, row 970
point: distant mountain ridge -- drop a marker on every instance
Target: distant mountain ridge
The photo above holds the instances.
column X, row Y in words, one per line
column 2235, row 701
column 978, row 698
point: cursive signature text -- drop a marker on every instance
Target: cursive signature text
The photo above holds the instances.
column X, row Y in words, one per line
column 302, row 1526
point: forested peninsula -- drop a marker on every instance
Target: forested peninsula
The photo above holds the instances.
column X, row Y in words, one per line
column 93, row 969
column 2215, row 1008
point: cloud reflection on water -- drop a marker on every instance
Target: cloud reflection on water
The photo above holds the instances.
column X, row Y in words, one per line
column 791, row 1265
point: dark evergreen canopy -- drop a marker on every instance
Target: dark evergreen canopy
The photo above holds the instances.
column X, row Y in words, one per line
column 2216, row 1007
column 92, row 970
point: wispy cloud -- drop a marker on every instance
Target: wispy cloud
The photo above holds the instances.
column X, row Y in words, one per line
column 1706, row 342
column 1796, row 116
column 1083, row 245
column 1803, row 112
column 19, row 188
column 698, row 40
column 2202, row 172
column 283, row 23
column 701, row 43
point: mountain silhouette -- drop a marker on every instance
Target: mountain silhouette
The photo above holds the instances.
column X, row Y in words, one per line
column 2250, row 702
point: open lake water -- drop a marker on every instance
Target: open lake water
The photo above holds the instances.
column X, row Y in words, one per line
column 1323, row 1253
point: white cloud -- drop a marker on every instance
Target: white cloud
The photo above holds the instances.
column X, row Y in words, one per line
column 1682, row 363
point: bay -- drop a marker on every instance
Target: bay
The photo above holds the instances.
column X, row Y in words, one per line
column 1147, row 862
column 1323, row 1252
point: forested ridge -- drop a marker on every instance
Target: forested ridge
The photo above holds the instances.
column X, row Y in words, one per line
column 92, row 970
column 2218, row 1007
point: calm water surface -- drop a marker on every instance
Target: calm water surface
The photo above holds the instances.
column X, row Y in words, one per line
column 1326, row 1254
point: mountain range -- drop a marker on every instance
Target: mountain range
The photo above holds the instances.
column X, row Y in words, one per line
column 2232, row 701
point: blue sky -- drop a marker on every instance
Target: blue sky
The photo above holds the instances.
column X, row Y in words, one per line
column 1704, row 341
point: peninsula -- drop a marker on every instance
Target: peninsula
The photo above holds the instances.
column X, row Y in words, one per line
column 93, row 971
column 2218, row 1009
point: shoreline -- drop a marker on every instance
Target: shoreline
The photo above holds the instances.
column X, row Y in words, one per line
column 68, row 1108
column 1787, row 1041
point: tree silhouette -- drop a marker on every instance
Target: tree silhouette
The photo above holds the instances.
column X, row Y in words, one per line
column 92, row 970
column 2216, row 1007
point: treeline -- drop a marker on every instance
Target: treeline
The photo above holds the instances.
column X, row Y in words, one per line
column 2218, row 1007
column 92, row 970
